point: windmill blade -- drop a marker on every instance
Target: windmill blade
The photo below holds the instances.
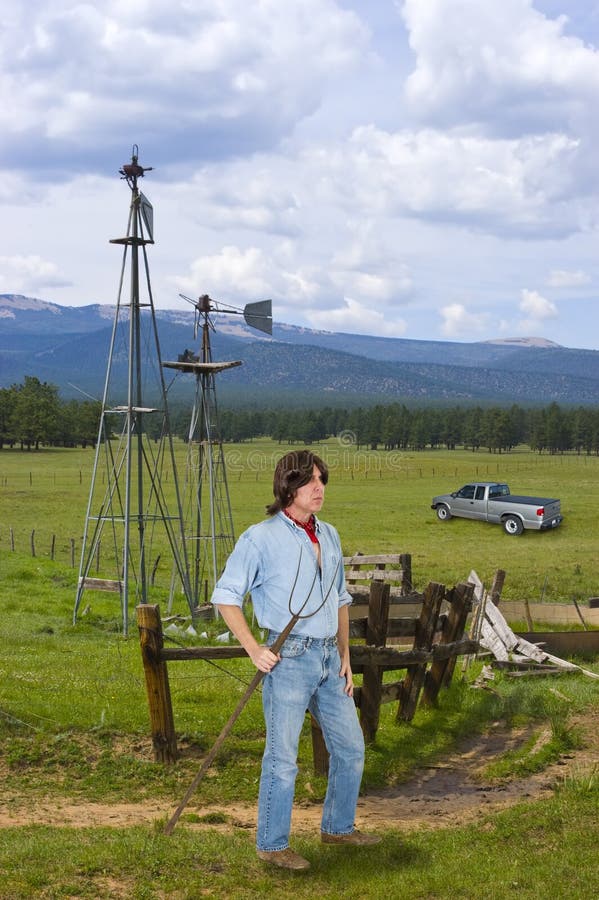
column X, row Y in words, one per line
column 259, row 315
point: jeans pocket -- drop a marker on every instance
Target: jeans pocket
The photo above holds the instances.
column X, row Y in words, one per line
column 293, row 647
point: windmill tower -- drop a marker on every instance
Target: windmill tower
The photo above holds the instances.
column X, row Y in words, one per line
column 208, row 519
column 132, row 519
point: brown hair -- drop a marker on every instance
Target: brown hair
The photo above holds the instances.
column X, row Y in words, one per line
column 293, row 471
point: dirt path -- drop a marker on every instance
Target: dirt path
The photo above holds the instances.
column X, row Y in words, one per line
column 450, row 792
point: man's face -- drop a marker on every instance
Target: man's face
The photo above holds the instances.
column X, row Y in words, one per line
column 309, row 498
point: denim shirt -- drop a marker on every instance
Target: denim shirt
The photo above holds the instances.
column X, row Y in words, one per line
column 275, row 562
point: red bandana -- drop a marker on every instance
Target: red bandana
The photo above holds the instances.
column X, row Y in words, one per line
column 309, row 526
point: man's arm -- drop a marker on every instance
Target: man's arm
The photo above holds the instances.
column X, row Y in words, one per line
column 263, row 658
column 343, row 646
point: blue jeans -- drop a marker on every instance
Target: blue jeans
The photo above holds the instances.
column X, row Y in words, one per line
column 307, row 678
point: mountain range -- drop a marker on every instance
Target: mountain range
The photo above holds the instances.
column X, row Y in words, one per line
column 68, row 346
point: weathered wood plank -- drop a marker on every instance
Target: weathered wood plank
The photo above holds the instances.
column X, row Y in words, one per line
column 374, row 575
column 397, row 595
column 425, row 632
column 169, row 654
column 441, row 671
column 402, row 626
column 388, row 658
column 376, row 636
column 359, row 559
column 164, row 738
column 101, row 584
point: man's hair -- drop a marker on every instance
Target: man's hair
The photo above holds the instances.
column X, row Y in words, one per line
column 293, row 471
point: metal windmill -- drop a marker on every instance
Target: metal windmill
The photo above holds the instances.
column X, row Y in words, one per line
column 207, row 507
column 134, row 458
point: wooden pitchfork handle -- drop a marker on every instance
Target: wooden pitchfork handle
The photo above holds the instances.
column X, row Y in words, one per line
column 170, row 825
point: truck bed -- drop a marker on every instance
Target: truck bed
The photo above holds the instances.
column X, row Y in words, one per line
column 515, row 498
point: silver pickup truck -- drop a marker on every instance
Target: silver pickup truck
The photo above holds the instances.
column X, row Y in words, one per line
column 491, row 501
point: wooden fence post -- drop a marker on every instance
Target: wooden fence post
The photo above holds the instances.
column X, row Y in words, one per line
column 425, row 633
column 461, row 606
column 406, row 567
column 376, row 636
column 497, row 586
column 441, row 671
column 164, row 739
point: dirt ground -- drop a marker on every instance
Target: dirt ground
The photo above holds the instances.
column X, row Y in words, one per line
column 453, row 791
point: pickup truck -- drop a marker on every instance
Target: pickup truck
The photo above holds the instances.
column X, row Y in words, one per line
column 491, row 501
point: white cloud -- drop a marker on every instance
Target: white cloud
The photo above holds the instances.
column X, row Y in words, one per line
column 254, row 195
column 20, row 274
column 187, row 80
column 230, row 273
column 492, row 185
column 458, row 322
column 319, row 295
column 504, row 64
column 305, row 151
column 536, row 307
column 564, row 278
column 354, row 317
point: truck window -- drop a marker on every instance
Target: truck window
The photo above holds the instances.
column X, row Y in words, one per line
column 467, row 492
column 480, row 493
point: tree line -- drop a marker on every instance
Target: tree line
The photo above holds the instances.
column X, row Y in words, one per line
column 395, row 426
column 32, row 414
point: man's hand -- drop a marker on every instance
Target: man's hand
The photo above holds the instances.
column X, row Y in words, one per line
column 264, row 659
column 346, row 672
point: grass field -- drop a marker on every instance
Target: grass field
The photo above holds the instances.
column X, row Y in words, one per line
column 74, row 717
column 379, row 501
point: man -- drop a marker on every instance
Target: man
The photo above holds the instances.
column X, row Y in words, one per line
column 292, row 564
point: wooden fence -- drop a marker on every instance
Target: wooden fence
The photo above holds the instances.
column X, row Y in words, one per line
column 436, row 638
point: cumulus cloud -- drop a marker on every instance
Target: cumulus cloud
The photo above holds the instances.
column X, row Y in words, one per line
column 188, row 80
column 320, row 295
column 503, row 64
column 231, row 273
column 459, row 322
column 492, row 185
column 313, row 151
column 29, row 274
column 536, row 307
column 354, row 317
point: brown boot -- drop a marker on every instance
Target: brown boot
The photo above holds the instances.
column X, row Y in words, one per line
column 284, row 859
column 355, row 838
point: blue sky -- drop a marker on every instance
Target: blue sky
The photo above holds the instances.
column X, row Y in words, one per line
column 426, row 169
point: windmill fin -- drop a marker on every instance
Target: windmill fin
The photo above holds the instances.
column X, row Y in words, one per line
column 259, row 315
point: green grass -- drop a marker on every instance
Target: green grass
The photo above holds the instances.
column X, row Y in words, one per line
column 380, row 502
column 74, row 716
column 536, row 850
column 74, row 721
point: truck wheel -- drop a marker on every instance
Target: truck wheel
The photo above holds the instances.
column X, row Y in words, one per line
column 443, row 512
column 512, row 525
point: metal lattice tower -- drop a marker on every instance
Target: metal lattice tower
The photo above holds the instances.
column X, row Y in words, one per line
column 129, row 526
column 209, row 528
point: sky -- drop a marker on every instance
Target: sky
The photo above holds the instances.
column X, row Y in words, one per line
column 424, row 169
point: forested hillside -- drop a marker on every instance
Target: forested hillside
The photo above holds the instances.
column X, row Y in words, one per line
column 68, row 347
